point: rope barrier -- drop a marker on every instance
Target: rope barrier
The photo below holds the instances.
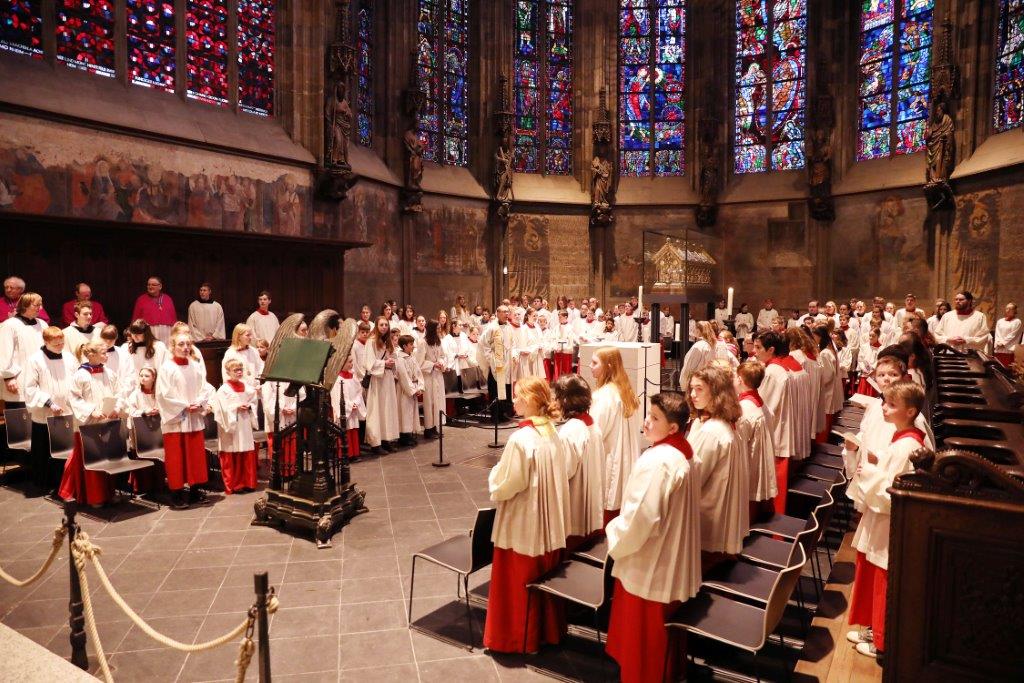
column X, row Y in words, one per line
column 84, row 551
column 59, row 534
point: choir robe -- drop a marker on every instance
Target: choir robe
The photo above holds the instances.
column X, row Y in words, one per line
column 973, row 327
column 866, row 359
column 158, row 311
column 756, row 431
column 804, row 402
column 120, row 363
column 697, row 358
column 19, row 338
column 777, row 392
column 347, row 402
column 140, row 360
column 530, row 487
column 584, row 448
column 814, row 381
column 528, row 340
column 871, row 540
column 433, row 385
column 359, row 361
column 875, row 434
column 828, row 366
column 274, row 397
column 381, row 398
column 562, row 339
column 1007, row 337
column 744, row 325
column 724, row 485
column 139, row 403
column 235, row 427
column 75, row 336
column 764, row 319
column 410, row 383
column 177, row 386
column 205, row 318
column 729, row 354
column 621, row 437
column 655, row 543
column 47, row 379
column 490, row 362
column 252, row 364
column 99, row 316
column 626, row 328
column 264, row 325
column 456, row 353
column 90, row 388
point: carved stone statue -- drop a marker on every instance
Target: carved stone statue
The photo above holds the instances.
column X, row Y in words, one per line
column 503, row 175
column 601, row 184
column 939, row 139
column 339, row 124
column 413, row 160
column 819, row 175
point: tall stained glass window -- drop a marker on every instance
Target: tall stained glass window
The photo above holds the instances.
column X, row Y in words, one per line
column 151, row 43
column 543, row 86
column 206, row 34
column 652, row 80
column 21, row 27
column 364, row 73
column 85, row 35
column 442, row 60
column 256, row 56
column 1009, row 107
column 895, row 76
column 771, row 58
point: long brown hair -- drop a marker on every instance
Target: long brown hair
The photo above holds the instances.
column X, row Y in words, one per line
column 375, row 335
column 724, row 403
column 615, row 374
column 706, row 331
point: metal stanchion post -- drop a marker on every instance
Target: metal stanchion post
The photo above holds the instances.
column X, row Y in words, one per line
column 440, row 441
column 262, row 585
column 495, row 410
column 76, row 618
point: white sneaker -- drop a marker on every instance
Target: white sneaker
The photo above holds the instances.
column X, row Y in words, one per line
column 867, row 649
column 859, row 636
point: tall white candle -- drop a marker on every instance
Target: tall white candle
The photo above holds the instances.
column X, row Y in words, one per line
column 640, row 301
column 728, row 305
column 678, row 326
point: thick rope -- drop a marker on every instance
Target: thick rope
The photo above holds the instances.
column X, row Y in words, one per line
column 58, row 540
column 83, row 550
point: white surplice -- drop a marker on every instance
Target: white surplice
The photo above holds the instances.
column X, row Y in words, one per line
column 381, row 397
column 178, row 386
column 870, row 487
column 18, row 341
column 724, row 488
column 697, row 358
column 410, row 383
column 621, row 437
column 777, row 394
column 584, row 448
column 756, row 436
column 234, row 427
column 206, row 318
column 47, row 383
column 433, row 385
column 263, row 326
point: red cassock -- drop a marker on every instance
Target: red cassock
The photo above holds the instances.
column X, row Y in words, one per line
column 863, row 387
column 185, row 459
column 506, row 623
column 867, row 603
column 782, row 482
column 1005, row 358
column 639, row 641
column 90, row 488
column 238, row 470
column 563, row 363
column 287, row 454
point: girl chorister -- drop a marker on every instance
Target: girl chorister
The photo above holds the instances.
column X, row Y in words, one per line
column 830, row 398
column 410, row 389
column 700, row 354
column 432, row 367
column 530, row 488
column 348, row 405
column 142, row 400
column 584, row 448
column 143, row 347
column 616, row 410
column 381, row 398
column 235, row 411
column 755, row 429
column 241, row 349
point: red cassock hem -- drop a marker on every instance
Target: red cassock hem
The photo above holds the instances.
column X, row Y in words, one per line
column 238, row 470
column 185, row 459
column 506, row 625
column 287, row 454
column 639, row 641
column 781, row 483
column 563, row 364
column 863, row 387
column 90, row 488
column 549, row 369
column 867, row 603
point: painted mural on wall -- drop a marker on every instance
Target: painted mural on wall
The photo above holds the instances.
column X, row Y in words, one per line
column 975, row 247
column 451, row 239
column 529, row 255
column 370, row 214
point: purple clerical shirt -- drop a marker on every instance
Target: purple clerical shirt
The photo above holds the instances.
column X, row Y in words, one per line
column 155, row 310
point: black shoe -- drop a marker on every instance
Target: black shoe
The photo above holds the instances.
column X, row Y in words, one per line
column 178, row 501
column 375, row 450
column 196, row 495
column 388, row 447
column 430, row 433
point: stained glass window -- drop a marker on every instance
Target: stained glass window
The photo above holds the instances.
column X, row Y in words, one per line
column 21, row 27
column 85, row 35
column 895, row 76
column 652, row 80
column 151, row 43
column 1009, row 107
column 256, row 56
column 441, row 71
column 771, row 58
column 364, row 73
column 206, row 32
column 542, row 86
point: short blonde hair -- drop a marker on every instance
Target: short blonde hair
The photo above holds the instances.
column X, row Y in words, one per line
column 233, row 363
column 910, row 394
column 236, row 334
column 88, row 347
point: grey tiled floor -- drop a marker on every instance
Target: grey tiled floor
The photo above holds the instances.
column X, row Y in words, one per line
column 343, row 609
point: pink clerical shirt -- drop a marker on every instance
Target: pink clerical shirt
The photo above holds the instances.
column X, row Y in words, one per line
column 10, row 307
column 99, row 316
column 155, row 310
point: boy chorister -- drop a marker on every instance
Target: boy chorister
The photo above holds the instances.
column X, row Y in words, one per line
column 82, row 330
column 772, row 350
column 183, row 396
column 563, row 339
column 584, row 446
column 655, row 543
column 755, row 428
column 234, row 408
column 410, row 384
column 349, row 406
column 876, row 473
column 432, row 366
column 47, row 393
column 93, row 399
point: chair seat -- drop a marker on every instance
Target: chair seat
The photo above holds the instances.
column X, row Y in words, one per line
column 577, row 582
column 116, row 467
column 156, row 454
column 806, row 486
column 722, row 618
column 821, row 472
column 830, row 449
column 453, row 394
column 834, row 462
column 21, row 445
column 741, row 578
column 595, row 553
column 454, row 554
column 781, row 525
column 766, row 550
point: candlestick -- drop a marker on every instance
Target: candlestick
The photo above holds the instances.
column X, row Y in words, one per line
column 728, row 305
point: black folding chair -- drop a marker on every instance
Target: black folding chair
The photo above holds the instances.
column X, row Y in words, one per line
column 464, row 555
column 149, row 440
column 61, row 431
column 105, row 449
column 593, row 553
column 578, row 582
column 19, row 429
